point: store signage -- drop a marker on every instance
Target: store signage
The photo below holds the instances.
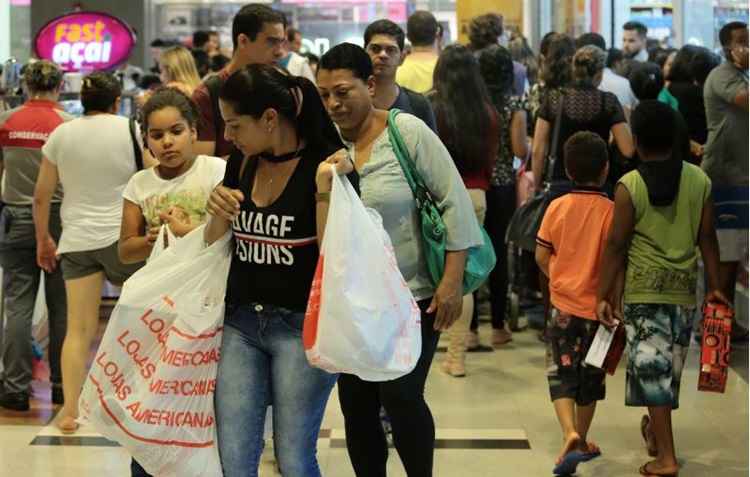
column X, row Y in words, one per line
column 85, row 41
column 318, row 46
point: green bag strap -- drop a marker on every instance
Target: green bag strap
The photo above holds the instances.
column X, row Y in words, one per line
column 418, row 188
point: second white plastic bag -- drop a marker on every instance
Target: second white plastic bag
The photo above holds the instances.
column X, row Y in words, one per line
column 361, row 317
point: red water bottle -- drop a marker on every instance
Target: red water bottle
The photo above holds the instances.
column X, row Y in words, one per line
column 717, row 332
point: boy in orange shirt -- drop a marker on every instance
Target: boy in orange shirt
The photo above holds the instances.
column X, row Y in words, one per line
column 570, row 244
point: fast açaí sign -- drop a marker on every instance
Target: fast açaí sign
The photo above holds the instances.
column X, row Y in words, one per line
column 85, row 41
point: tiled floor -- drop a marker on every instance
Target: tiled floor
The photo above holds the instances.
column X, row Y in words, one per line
column 496, row 422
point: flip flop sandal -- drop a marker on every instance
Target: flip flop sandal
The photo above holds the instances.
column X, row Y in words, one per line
column 570, row 463
column 645, row 472
column 645, row 421
column 587, row 456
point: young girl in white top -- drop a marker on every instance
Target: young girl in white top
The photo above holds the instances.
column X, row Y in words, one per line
column 175, row 191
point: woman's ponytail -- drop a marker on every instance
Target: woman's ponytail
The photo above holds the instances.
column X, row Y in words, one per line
column 313, row 122
column 256, row 88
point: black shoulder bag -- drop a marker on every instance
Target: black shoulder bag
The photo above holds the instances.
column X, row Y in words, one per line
column 527, row 219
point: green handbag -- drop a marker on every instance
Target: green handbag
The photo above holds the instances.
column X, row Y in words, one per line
column 480, row 260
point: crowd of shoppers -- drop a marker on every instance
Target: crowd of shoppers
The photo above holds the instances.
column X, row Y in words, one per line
column 619, row 141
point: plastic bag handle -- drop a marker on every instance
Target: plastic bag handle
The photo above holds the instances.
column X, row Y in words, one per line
column 165, row 237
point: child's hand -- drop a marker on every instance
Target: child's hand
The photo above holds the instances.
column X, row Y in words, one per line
column 606, row 314
column 152, row 234
column 715, row 296
column 177, row 220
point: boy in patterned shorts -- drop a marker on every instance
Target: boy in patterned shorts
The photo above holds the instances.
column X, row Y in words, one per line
column 570, row 244
column 663, row 211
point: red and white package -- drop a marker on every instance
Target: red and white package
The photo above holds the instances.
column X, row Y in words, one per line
column 715, row 347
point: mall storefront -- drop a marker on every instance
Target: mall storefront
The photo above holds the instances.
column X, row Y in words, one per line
column 327, row 22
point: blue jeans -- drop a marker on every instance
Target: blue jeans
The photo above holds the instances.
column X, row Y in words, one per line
column 263, row 362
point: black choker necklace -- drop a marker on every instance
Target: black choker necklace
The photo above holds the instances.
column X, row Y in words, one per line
column 282, row 158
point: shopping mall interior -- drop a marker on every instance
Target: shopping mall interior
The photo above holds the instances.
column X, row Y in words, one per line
column 497, row 418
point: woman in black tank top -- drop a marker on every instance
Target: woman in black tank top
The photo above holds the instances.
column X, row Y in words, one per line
column 274, row 199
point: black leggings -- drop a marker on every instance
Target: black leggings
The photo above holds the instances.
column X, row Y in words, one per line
column 500, row 207
column 403, row 400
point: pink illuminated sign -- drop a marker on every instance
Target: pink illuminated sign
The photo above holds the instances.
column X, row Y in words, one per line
column 85, row 41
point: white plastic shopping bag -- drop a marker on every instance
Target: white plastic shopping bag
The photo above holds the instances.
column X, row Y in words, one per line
column 151, row 386
column 361, row 317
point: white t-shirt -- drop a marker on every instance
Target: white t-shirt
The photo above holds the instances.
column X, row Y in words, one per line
column 620, row 87
column 299, row 66
column 189, row 192
column 95, row 159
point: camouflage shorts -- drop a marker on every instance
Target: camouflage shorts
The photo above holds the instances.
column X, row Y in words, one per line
column 658, row 337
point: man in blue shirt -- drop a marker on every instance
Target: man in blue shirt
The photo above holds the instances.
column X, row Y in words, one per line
column 384, row 42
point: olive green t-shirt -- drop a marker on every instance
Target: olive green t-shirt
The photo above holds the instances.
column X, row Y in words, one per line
column 663, row 256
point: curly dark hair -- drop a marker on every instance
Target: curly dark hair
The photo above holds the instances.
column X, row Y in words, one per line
column 166, row 97
column 484, row 30
column 557, row 68
column 496, row 67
